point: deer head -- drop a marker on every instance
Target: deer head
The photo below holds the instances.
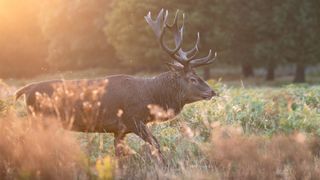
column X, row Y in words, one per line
column 184, row 61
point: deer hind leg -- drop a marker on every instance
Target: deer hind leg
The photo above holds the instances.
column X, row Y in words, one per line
column 121, row 149
column 120, row 146
column 144, row 133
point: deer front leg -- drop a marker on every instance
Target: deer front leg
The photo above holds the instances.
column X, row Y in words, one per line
column 119, row 144
column 144, row 133
column 122, row 151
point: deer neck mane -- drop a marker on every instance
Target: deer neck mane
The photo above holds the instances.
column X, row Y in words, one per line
column 167, row 92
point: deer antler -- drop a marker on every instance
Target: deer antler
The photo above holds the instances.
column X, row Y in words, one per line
column 160, row 26
column 186, row 58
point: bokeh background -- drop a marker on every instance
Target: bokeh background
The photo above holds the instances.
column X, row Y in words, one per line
column 258, row 38
column 260, row 127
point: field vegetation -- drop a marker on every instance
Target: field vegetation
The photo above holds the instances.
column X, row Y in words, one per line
column 245, row 133
column 261, row 126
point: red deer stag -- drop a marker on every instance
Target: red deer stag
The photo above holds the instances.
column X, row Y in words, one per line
column 125, row 102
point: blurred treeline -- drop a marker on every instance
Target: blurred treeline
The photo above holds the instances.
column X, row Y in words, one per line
column 40, row 36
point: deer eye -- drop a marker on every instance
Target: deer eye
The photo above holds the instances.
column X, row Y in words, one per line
column 193, row 80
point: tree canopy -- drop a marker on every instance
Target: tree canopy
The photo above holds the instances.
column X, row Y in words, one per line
column 248, row 33
column 135, row 43
column 76, row 34
column 23, row 48
column 74, row 30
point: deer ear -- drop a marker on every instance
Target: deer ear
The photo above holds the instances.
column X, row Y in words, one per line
column 174, row 67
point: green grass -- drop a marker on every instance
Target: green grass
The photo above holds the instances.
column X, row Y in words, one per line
column 256, row 112
column 262, row 112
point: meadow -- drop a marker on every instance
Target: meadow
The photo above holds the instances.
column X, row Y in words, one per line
column 247, row 132
column 264, row 123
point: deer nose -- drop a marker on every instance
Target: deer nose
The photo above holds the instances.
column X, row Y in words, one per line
column 214, row 93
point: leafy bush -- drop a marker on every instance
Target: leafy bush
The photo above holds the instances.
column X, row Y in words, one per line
column 259, row 110
column 238, row 156
column 244, row 133
column 38, row 149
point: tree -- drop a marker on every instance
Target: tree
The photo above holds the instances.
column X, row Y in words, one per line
column 74, row 30
column 127, row 32
column 209, row 17
column 268, row 48
column 300, row 20
column 273, row 31
column 23, row 48
column 248, row 33
column 135, row 43
column 243, row 19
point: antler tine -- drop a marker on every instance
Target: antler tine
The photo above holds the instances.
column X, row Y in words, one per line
column 156, row 25
column 203, row 61
column 193, row 52
column 185, row 58
column 178, row 34
column 175, row 20
column 160, row 26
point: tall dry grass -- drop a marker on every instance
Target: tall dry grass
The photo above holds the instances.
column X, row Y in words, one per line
column 231, row 154
column 38, row 149
column 239, row 156
column 258, row 138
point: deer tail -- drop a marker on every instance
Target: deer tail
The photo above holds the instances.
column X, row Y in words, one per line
column 22, row 91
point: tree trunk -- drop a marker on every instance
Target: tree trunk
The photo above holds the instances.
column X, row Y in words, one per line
column 206, row 73
column 270, row 72
column 300, row 76
column 247, row 70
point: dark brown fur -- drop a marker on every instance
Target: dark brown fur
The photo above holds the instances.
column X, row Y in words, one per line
column 133, row 96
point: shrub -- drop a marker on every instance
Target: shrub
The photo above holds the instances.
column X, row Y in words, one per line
column 238, row 156
column 38, row 149
column 259, row 110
